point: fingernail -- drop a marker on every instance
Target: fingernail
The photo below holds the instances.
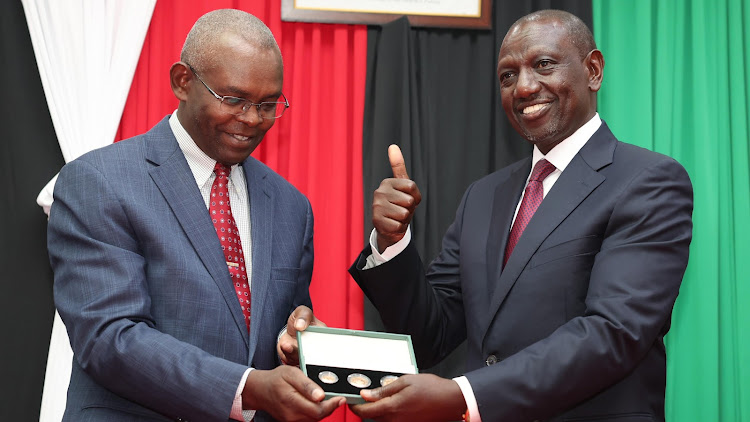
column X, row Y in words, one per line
column 300, row 324
column 318, row 394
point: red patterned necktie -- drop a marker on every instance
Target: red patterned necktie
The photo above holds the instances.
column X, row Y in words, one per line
column 229, row 236
column 532, row 197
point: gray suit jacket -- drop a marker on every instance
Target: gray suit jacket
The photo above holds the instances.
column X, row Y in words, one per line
column 143, row 288
column 572, row 328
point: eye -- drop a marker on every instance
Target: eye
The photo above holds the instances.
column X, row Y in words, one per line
column 544, row 63
column 233, row 101
column 267, row 107
column 505, row 77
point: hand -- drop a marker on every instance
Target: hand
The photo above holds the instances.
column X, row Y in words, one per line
column 287, row 394
column 394, row 202
column 287, row 346
column 423, row 397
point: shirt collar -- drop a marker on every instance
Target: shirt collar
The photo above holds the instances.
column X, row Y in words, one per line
column 562, row 154
column 200, row 164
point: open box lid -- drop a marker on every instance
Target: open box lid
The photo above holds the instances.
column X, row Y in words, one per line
column 345, row 351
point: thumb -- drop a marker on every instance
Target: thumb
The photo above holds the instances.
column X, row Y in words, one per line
column 300, row 319
column 397, row 162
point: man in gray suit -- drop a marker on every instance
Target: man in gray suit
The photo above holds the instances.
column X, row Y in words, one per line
column 564, row 302
column 167, row 320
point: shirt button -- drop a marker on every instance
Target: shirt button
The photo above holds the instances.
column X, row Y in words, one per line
column 491, row 360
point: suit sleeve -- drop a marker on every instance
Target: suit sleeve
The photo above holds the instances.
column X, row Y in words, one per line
column 302, row 296
column 432, row 313
column 102, row 294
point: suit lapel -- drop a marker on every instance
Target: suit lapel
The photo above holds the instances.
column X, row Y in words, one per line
column 578, row 180
column 502, row 216
column 261, row 219
column 173, row 177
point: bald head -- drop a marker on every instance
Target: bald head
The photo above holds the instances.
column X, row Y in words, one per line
column 212, row 28
column 579, row 34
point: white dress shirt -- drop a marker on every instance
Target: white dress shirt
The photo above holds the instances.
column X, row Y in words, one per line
column 202, row 167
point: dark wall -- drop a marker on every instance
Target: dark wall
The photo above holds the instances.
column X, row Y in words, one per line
column 29, row 158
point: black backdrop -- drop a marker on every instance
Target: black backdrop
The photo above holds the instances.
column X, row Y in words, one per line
column 434, row 92
column 29, row 157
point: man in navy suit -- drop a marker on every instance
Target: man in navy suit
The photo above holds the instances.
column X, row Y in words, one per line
column 568, row 323
column 141, row 279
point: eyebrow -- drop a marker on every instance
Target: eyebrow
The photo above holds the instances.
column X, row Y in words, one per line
column 240, row 93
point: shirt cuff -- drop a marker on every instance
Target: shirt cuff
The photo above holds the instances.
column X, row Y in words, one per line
column 471, row 401
column 376, row 258
column 238, row 413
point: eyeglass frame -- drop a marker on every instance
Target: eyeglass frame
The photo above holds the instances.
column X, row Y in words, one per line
column 247, row 103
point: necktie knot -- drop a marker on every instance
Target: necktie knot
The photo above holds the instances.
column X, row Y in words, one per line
column 222, row 170
column 542, row 169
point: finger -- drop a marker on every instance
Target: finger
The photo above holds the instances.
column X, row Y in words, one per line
column 374, row 410
column 397, row 162
column 332, row 404
column 304, row 385
column 379, row 393
column 299, row 320
column 287, row 350
column 317, row 411
column 370, row 395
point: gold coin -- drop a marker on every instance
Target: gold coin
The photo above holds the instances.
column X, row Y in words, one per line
column 328, row 377
column 359, row 380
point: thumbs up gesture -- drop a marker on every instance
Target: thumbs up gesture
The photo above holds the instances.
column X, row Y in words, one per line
column 394, row 202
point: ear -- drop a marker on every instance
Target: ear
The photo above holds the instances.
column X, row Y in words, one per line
column 179, row 76
column 594, row 63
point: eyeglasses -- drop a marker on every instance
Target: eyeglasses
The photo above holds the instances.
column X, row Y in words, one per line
column 239, row 106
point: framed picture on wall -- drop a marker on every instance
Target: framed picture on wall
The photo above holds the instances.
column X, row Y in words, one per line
column 471, row 14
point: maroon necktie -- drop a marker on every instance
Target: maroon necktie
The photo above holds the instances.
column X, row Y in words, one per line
column 532, row 197
column 229, row 236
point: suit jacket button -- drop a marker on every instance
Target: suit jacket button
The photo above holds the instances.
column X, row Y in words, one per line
column 491, row 360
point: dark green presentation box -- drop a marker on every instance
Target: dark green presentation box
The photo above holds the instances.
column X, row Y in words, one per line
column 342, row 361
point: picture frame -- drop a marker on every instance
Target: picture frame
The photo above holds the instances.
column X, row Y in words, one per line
column 467, row 14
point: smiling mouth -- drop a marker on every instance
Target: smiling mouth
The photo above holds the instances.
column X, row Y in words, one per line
column 240, row 138
column 534, row 108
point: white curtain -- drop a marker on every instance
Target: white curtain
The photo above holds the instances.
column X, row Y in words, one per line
column 87, row 52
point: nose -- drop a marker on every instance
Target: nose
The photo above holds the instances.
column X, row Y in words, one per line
column 526, row 84
column 251, row 117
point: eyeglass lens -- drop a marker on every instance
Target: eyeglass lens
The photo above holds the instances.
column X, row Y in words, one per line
column 267, row 110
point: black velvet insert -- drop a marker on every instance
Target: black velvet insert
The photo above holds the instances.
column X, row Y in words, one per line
column 342, row 386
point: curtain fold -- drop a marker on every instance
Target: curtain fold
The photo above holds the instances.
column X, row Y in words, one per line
column 86, row 52
column 317, row 145
column 677, row 82
column 29, row 156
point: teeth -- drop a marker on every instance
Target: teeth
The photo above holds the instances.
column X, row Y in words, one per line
column 534, row 108
column 241, row 138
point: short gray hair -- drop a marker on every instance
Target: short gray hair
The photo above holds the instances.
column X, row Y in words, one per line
column 208, row 29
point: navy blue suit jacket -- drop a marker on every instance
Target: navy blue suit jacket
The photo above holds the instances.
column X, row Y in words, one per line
column 143, row 288
column 572, row 328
